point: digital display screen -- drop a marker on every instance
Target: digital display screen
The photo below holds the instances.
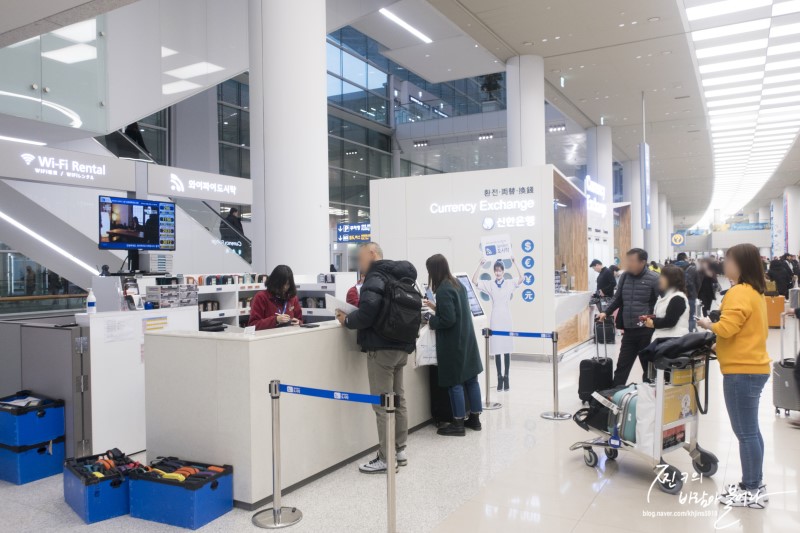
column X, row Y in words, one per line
column 474, row 303
column 133, row 224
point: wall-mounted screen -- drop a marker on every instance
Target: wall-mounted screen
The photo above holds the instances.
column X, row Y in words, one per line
column 133, row 224
column 474, row 303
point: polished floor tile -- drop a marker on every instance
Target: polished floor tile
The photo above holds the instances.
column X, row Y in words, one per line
column 517, row 475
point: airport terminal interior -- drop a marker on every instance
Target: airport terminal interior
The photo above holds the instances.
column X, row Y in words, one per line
column 400, row 265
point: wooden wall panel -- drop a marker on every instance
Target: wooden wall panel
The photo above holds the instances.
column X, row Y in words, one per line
column 622, row 230
column 571, row 247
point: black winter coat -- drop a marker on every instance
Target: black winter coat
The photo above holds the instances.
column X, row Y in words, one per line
column 781, row 274
column 606, row 282
column 636, row 296
column 371, row 302
column 457, row 353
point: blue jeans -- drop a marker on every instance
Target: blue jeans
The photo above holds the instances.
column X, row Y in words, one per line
column 692, row 311
column 742, row 392
column 457, row 398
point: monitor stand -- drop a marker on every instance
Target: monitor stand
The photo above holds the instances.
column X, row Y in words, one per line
column 133, row 260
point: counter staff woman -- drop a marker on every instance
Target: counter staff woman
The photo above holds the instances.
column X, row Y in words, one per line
column 500, row 290
column 745, row 364
column 278, row 305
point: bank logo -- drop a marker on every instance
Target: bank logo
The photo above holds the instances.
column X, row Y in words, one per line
column 175, row 183
column 488, row 223
column 28, row 158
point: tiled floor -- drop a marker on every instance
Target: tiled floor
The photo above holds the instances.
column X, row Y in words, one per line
column 516, row 475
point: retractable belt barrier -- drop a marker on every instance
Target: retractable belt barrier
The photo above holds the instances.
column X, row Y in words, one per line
column 555, row 414
column 279, row 517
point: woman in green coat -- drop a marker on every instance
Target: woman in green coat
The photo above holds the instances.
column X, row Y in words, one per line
column 457, row 351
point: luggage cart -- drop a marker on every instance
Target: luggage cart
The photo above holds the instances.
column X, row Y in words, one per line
column 677, row 376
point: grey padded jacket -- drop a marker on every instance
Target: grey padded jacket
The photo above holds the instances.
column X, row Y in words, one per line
column 636, row 295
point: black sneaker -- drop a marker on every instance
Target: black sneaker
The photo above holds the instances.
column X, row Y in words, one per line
column 474, row 422
column 456, row 429
column 500, row 384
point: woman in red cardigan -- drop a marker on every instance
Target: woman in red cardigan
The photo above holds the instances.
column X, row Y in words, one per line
column 278, row 305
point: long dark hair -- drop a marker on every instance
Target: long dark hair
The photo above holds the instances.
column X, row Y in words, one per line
column 675, row 277
column 281, row 275
column 751, row 269
column 439, row 272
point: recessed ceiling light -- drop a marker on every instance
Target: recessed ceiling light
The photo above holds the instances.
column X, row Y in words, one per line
column 634, row 23
column 528, row 43
column 179, row 87
column 82, row 32
column 723, row 8
column 557, row 37
column 653, row 19
column 405, row 25
column 621, row 24
column 666, row 52
column 166, row 52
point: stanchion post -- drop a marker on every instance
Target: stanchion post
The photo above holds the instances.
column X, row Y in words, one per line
column 389, row 402
column 555, row 414
column 488, row 404
column 277, row 516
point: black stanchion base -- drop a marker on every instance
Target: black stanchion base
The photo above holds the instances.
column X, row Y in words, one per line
column 268, row 519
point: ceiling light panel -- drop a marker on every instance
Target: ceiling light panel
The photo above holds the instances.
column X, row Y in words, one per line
column 405, row 25
column 748, row 58
column 195, row 69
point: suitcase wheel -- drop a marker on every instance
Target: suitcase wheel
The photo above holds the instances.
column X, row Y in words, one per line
column 612, row 453
column 589, row 457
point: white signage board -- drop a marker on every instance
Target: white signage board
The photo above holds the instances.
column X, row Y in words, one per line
column 496, row 247
column 64, row 167
column 183, row 183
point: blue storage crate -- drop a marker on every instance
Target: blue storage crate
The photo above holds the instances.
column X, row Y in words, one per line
column 23, row 464
column 31, row 424
column 95, row 499
column 182, row 504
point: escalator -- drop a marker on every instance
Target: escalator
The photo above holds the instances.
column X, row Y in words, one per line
column 124, row 147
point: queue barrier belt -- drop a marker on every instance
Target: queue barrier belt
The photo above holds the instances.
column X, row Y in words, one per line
column 529, row 335
column 332, row 395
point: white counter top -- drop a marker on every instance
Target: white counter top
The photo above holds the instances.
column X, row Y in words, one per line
column 570, row 304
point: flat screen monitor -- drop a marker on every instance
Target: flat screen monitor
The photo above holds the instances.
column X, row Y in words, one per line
column 133, row 224
column 474, row 303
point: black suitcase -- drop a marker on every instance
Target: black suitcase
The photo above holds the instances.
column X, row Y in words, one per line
column 596, row 373
column 605, row 331
column 441, row 409
column 785, row 388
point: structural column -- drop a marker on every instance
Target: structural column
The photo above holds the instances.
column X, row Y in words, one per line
column 525, row 111
column 791, row 216
column 600, row 168
column 651, row 241
column 778, row 225
column 632, row 192
column 663, row 222
column 289, row 143
column 763, row 215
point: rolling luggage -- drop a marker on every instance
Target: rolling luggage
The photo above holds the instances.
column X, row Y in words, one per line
column 609, row 332
column 775, row 308
column 596, row 373
column 626, row 399
column 785, row 391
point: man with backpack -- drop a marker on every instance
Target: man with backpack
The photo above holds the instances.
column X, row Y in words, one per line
column 388, row 320
column 690, row 272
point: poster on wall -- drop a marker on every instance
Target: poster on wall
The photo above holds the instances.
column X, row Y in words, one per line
column 496, row 247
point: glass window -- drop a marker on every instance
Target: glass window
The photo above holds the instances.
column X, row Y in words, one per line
column 229, row 92
column 353, row 98
column 377, row 80
column 354, row 69
column 334, row 126
column 355, row 133
column 379, row 140
column 156, row 141
column 244, row 131
column 245, row 157
column 230, row 162
column 229, row 129
column 334, row 90
column 335, row 152
column 334, row 59
column 380, row 164
column 355, row 158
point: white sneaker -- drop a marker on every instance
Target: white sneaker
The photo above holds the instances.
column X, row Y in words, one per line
column 376, row 466
column 402, row 458
column 738, row 496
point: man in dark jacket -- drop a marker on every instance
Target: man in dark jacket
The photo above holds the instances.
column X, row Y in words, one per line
column 781, row 273
column 385, row 358
column 690, row 273
column 636, row 296
column 606, row 281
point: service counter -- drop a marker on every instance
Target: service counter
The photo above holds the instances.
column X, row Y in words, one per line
column 207, row 399
column 572, row 319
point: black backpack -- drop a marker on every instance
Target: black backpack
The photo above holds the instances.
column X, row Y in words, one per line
column 400, row 316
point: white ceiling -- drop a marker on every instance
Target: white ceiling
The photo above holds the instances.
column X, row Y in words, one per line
column 23, row 19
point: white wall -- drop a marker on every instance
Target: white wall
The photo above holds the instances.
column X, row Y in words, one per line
column 726, row 239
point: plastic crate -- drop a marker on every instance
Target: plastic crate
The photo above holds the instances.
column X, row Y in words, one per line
column 32, row 424
column 23, row 464
column 95, row 499
column 189, row 505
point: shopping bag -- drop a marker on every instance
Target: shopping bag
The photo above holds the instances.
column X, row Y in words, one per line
column 646, row 420
column 426, row 348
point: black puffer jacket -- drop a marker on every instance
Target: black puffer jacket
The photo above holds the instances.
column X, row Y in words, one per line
column 636, row 295
column 371, row 301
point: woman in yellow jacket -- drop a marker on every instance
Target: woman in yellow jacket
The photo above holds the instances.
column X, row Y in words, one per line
column 745, row 365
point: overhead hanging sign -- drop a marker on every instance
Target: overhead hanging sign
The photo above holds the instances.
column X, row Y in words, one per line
column 357, row 232
column 678, row 239
column 644, row 179
column 183, row 183
column 64, row 167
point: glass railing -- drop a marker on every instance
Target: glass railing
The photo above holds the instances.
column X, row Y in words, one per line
column 58, row 77
column 419, row 112
column 222, row 229
column 43, row 302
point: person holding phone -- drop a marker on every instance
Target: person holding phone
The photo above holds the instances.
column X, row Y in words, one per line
column 745, row 365
column 671, row 313
column 500, row 290
column 277, row 306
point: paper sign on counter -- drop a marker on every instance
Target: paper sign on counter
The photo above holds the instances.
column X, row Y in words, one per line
column 331, row 302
